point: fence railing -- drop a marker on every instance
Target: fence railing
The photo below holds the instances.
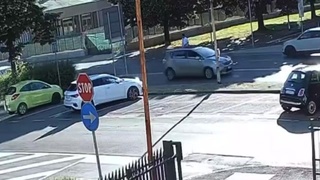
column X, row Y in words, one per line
column 162, row 167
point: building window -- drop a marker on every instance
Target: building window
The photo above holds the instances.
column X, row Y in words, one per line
column 86, row 22
column 67, row 26
column 76, row 22
column 94, row 17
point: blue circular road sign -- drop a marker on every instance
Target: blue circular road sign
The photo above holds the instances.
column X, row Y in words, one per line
column 90, row 117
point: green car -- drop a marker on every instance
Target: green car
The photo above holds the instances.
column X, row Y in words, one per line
column 29, row 94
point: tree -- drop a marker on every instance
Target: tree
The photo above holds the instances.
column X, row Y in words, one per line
column 17, row 17
column 258, row 8
column 313, row 9
column 287, row 7
column 167, row 13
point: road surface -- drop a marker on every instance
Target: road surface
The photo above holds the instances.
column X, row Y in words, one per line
column 261, row 64
column 217, row 131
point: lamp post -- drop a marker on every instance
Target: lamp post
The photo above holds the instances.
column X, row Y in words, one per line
column 214, row 36
column 144, row 80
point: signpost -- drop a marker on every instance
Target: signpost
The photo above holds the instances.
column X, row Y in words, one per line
column 89, row 114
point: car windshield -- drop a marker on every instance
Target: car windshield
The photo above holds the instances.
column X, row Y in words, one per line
column 11, row 91
column 72, row 87
column 296, row 76
column 206, row 52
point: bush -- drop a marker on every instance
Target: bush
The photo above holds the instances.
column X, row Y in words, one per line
column 47, row 72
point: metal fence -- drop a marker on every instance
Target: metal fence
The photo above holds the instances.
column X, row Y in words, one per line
column 162, row 167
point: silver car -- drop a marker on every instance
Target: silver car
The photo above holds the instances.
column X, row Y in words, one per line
column 195, row 62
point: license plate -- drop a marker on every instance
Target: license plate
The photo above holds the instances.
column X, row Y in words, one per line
column 289, row 92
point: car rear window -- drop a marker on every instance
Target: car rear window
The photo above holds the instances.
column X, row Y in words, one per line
column 11, row 91
column 297, row 77
column 72, row 87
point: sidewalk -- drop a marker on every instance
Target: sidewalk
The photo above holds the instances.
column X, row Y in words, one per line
column 259, row 173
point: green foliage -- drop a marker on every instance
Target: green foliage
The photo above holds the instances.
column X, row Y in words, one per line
column 288, row 6
column 45, row 72
column 19, row 16
column 48, row 72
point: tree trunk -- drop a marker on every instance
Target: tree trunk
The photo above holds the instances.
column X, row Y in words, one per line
column 166, row 30
column 288, row 18
column 313, row 9
column 11, row 51
column 259, row 15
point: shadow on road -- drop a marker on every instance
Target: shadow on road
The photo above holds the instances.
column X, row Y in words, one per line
column 206, row 97
column 17, row 127
column 297, row 122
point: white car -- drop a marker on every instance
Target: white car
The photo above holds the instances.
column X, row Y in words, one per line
column 107, row 88
column 4, row 70
column 306, row 43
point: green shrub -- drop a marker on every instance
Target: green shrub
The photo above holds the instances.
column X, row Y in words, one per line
column 47, row 72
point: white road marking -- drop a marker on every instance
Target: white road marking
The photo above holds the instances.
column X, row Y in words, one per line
column 239, row 104
column 257, row 69
column 61, row 113
column 6, row 154
column 22, row 158
column 39, row 164
column 37, row 175
column 7, row 117
column 250, row 176
column 40, row 111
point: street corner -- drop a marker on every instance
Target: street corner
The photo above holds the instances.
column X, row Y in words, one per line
column 259, row 172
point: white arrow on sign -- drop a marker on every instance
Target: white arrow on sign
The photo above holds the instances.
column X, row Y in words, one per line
column 91, row 116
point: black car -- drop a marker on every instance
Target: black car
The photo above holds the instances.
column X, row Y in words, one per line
column 301, row 90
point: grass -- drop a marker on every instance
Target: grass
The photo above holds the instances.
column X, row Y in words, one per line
column 244, row 30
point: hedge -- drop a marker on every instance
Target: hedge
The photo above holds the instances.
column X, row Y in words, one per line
column 47, row 72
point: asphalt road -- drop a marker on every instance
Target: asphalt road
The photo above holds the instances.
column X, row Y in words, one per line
column 265, row 65
column 251, row 126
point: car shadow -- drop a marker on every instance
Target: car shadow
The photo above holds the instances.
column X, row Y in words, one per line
column 297, row 122
column 18, row 126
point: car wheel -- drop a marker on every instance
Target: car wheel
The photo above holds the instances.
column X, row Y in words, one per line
column 290, row 51
column 22, row 109
column 311, row 108
column 208, row 73
column 56, row 98
column 286, row 108
column 170, row 74
column 133, row 93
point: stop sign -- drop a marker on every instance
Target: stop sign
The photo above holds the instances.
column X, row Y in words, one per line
column 85, row 87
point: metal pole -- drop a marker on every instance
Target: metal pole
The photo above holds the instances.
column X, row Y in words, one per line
column 97, row 154
column 301, row 21
column 58, row 69
column 250, row 16
column 144, row 80
column 123, row 40
column 111, row 45
column 314, row 175
column 213, row 26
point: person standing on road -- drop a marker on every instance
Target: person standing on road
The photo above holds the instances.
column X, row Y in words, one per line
column 185, row 41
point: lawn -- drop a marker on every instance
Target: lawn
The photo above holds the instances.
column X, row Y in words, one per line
column 244, row 30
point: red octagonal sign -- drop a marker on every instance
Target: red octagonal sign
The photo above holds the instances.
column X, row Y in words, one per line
column 85, row 87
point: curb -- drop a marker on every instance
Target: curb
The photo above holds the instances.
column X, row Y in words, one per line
column 218, row 92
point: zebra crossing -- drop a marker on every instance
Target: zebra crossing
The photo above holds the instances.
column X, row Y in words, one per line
column 40, row 166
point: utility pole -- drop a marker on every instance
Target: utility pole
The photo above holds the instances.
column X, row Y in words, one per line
column 144, row 80
column 214, row 35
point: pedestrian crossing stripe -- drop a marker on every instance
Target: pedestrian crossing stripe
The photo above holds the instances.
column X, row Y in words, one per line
column 25, row 166
column 250, row 176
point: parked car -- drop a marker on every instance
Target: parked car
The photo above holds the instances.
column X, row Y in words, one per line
column 29, row 94
column 194, row 62
column 107, row 88
column 305, row 44
column 302, row 90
